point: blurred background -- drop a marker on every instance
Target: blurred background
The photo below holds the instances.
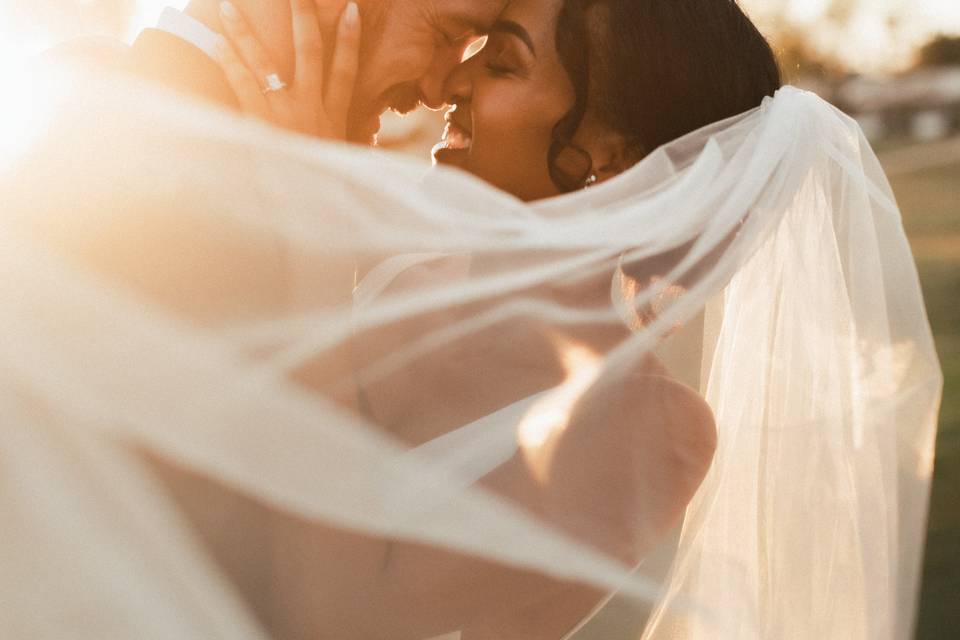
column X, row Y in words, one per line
column 892, row 64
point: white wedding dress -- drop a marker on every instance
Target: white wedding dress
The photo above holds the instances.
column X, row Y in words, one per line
column 170, row 269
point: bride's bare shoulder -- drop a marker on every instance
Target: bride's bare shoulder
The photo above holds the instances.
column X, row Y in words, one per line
column 649, row 421
column 677, row 395
column 683, row 413
column 650, row 400
column 638, row 445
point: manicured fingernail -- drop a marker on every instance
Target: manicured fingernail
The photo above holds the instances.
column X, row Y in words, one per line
column 351, row 14
column 229, row 11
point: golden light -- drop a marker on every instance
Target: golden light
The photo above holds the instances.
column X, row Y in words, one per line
column 474, row 48
column 25, row 115
column 869, row 36
column 549, row 417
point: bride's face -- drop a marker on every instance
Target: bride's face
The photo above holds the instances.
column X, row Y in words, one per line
column 508, row 98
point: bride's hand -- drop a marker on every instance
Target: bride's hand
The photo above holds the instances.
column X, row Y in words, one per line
column 306, row 103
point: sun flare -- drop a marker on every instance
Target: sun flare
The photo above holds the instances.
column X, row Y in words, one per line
column 25, row 116
column 550, row 416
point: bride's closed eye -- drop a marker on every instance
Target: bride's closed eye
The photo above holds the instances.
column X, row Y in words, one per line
column 509, row 50
column 502, row 60
column 501, row 67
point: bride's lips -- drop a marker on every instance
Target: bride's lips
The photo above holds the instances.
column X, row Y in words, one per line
column 456, row 137
column 455, row 144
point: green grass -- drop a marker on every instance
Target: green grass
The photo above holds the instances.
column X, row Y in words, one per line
column 930, row 202
column 940, row 595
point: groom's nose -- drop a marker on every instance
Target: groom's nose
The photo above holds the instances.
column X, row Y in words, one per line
column 458, row 87
column 431, row 84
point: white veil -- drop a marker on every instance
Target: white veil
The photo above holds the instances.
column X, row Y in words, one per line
column 179, row 357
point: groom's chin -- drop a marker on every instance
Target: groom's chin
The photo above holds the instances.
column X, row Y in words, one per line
column 364, row 130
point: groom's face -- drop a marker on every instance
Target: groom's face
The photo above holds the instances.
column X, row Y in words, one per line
column 409, row 48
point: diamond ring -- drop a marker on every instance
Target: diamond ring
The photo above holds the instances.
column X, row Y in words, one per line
column 273, row 83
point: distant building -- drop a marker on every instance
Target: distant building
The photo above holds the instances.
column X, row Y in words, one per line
column 923, row 105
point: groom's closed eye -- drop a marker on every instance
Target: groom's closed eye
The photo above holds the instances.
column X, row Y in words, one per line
column 458, row 30
column 461, row 38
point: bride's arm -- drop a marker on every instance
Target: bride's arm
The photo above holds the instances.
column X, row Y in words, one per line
column 314, row 101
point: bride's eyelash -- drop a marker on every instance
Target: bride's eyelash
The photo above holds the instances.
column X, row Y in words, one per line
column 498, row 70
column 497, row 63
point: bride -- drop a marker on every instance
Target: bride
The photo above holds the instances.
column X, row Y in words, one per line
column 481, row 441
column 555, row 101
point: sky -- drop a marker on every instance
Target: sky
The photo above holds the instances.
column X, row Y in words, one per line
column 866, row 45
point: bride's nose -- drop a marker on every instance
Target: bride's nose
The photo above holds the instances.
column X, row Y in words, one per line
column 458, row 86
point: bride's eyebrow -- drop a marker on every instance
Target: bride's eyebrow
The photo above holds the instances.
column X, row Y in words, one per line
column 514, row 29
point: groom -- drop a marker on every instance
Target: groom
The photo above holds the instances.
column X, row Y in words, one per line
column 409, row 47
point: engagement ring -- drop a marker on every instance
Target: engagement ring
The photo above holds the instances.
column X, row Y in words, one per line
column 273, row 83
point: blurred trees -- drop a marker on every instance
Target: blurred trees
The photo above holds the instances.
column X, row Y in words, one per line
column 829, row 42
column 799, row 60
column 942, row 51
column 802, row 44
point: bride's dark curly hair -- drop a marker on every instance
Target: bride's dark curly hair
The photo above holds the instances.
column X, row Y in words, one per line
column 653, row 71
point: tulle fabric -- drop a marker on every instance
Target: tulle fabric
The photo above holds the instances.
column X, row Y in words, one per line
column 171, row 269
